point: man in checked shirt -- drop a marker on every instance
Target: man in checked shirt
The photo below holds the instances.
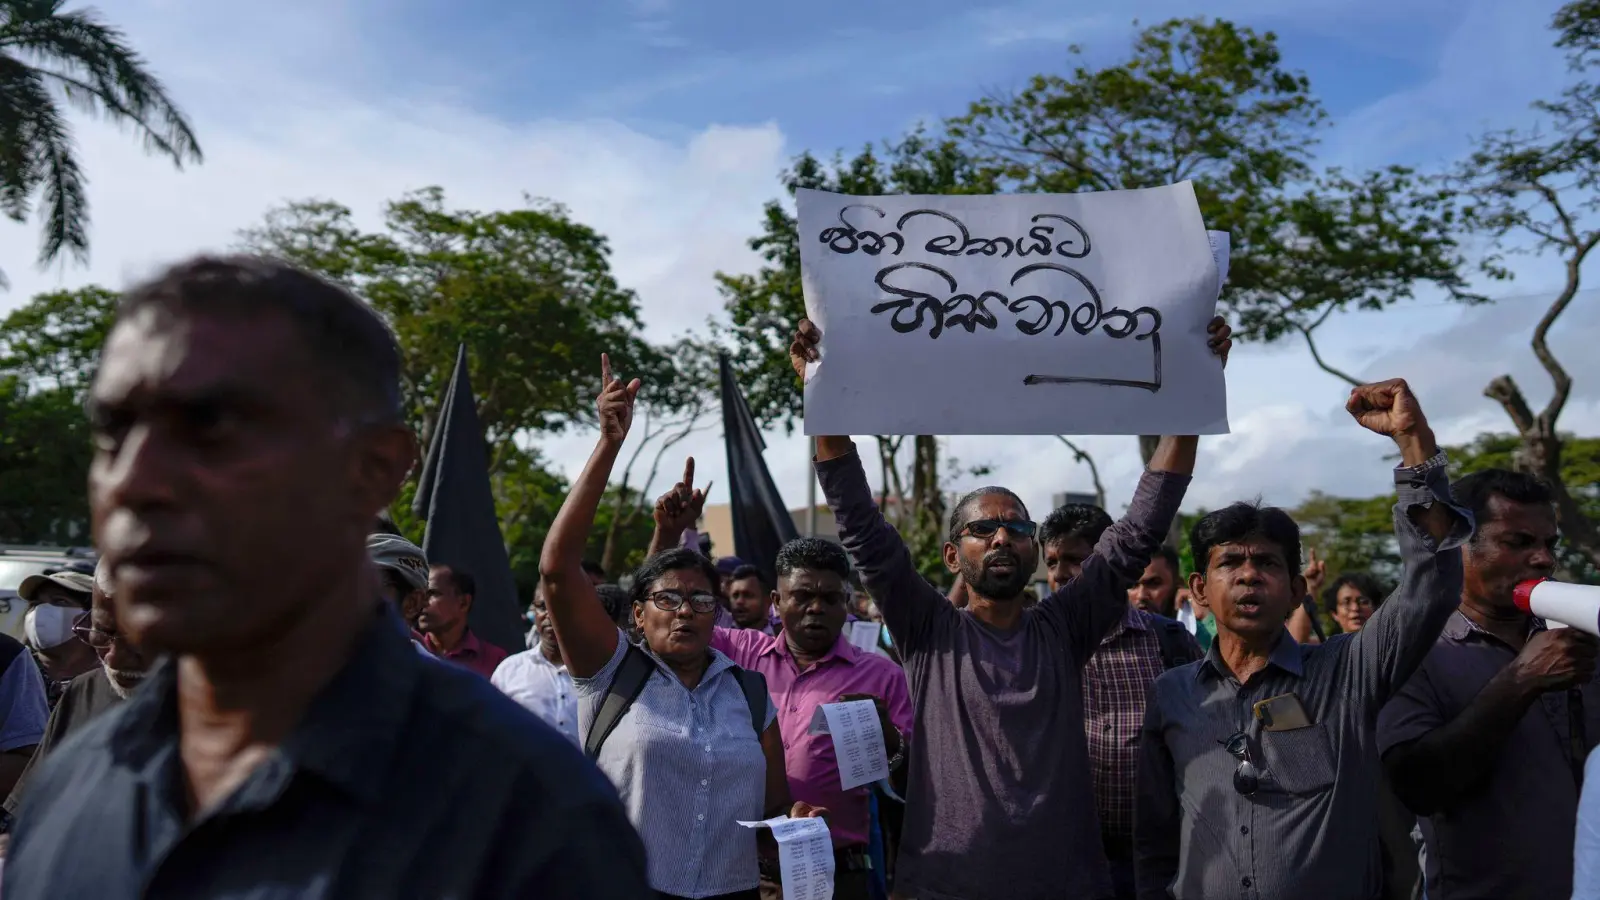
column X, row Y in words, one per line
column 1116, row 678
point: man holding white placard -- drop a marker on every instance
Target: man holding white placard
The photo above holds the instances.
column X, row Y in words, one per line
column 999, row 802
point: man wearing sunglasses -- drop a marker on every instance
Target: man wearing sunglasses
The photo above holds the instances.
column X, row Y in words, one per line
column 999, row 800
column 1258, row 770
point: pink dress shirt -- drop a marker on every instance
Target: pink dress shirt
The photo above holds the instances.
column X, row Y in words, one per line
column 478, row 655
column 813, row 770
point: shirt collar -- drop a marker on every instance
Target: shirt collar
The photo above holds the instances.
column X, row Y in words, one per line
column 842, row 650
column 1285, row 655
column 346, row 736
column 1135, row 619
column 469, row 646
column 539, row 659
column 719, row 662
column 1460, row 628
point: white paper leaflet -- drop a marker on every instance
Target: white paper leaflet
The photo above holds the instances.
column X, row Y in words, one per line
column 805, row 856
column 857, row 740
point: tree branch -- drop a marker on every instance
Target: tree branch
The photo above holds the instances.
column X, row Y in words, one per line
column 1094, row 471
column 1317, row 357
column 1504, row 390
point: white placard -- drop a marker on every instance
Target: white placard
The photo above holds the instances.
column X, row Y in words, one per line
column 857, row 740
column 864, row 635
column 805, row 856
column 1012, row 314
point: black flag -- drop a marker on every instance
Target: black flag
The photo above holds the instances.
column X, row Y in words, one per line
column 463, row 532
column 761, row 521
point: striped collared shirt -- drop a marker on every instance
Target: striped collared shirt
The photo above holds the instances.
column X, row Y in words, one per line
column 688, row 767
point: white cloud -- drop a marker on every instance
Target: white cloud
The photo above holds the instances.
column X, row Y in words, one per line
column 1497, row 59
column 678, row 209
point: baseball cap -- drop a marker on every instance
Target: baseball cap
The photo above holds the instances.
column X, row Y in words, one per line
column 400, row 556
column 728, row 565
column 76, row 582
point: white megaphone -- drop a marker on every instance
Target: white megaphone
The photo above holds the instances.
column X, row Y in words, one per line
column 1559, row 604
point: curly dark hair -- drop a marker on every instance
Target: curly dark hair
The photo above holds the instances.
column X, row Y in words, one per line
column 1240, row 521
column 1369, row 587
column 1476, row 490
column 813, row 553
column 675, row 560
column 1075, row 520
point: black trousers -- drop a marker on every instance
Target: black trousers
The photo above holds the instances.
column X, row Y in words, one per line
column 752, row 894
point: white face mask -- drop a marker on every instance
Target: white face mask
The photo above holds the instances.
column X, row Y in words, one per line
column 48, row 626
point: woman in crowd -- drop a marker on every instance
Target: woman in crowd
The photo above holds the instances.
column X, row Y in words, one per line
column 1351, row 600
column 685, row 755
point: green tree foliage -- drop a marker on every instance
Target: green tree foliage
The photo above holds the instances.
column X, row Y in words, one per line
column 531, row 294
column 765, row 308
column 1580, row 473
column 1537, row 191
column 48, row 353
column 1214, row 103
column 1357, row 534
column 51, row 59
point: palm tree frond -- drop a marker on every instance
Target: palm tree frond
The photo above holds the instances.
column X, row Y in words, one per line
column 96, row 70
column 51, row 166
column 51, row 60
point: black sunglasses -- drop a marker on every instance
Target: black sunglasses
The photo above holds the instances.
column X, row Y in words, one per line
column 672, row 601
column 985, row 528
column 1246, row 778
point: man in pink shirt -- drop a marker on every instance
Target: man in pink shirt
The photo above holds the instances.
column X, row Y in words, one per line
column 443, row 622
column 809, row 663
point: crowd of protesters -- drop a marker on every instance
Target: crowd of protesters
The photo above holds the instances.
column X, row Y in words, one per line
column 261, row 693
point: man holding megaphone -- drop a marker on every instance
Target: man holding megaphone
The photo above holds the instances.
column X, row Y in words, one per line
column 1488, row 739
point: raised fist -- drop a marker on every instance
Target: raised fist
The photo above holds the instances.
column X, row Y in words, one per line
column 1388, row 408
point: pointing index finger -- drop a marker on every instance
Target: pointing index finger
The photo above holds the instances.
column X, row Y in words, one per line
column 688, row 473
column 605, row 370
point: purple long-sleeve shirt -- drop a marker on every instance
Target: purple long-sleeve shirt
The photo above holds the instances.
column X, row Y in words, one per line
column 1000, row 803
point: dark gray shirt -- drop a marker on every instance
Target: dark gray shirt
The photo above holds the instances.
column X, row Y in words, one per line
column 999, row 802
column 1311, row 829
column 404, row 779
column 1512, row 836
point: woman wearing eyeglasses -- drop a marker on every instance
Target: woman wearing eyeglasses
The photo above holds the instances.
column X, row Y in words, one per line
column 686, row 754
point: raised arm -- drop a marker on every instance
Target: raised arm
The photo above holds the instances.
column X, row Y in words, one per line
column 1090, row 605
column 588, row 637
column 908, row 603
column 676, row 511
column 1430, row 530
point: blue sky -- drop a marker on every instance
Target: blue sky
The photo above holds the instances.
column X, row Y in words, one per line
column 664, row 123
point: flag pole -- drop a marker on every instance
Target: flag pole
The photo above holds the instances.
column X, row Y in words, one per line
column 811, row 489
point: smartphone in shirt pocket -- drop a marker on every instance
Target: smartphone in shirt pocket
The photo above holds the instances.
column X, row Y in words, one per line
column 1282, row 713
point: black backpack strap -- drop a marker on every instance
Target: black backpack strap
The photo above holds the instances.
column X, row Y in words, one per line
column 1175, row 650
column 755, row 694
column 632, row 674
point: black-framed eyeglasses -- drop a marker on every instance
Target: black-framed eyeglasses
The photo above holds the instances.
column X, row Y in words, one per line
column 985, row 528
column 91, row 635
column 1246, row 778
column 672, row 601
